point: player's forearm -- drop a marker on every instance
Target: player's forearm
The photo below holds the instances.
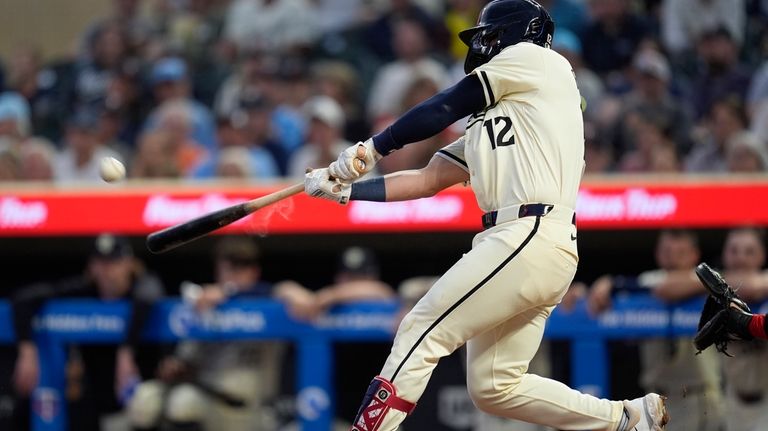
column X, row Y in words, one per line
column 432, row 116
column 411, row 184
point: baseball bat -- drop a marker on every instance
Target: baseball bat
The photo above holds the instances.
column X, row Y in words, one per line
column 182, row 233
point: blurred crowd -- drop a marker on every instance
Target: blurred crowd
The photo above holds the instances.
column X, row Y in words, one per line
column 263, row 89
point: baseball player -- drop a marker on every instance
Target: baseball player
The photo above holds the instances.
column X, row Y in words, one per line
column 523, row 153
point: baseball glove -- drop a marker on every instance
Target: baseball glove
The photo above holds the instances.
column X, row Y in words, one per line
column 725, row 316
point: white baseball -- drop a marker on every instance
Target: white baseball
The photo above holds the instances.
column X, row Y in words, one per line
column 111, row 169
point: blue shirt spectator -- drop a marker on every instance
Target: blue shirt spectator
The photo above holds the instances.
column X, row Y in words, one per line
column 170, row 83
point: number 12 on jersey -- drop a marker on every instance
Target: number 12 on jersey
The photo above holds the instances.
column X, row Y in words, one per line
column 504, row 137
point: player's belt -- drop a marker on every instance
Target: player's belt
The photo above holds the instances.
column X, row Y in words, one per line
column 514, row 212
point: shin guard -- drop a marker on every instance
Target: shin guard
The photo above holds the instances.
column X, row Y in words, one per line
column 379, row 398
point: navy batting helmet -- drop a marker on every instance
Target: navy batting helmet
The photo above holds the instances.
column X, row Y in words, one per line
column 503, row 23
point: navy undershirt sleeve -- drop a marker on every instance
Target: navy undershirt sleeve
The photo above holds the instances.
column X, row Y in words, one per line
column 433, row 115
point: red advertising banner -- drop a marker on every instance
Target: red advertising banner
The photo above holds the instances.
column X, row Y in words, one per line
column 141, row 210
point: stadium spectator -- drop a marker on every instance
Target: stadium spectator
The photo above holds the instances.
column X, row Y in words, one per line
column 460, row 15
column 106, row 55
column 598, row 152
column 170, row 84
column 610, row 41
column 36, row 158
column 649, row 98
column 380, row 35
column 590, row 86
column 194, row 29
column 155, row 158
column 82, row 150
column 683, row 22
column 10, row 166
column 654, row 146
column 325, row 138
column 339, row 81
column 110, row 371
column 412, row 48
column 14, row 117
column 125, row 15
column 38, row 85
column 570, row 15
column 415, row 156
column 233, row 164
column 671, row 366
column 249, row 127
column 726, row 119
column 720, row 73
column 277, row 80
column 275, row 25
column 747, row 154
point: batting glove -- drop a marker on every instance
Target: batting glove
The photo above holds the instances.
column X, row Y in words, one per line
column 346, row 168
column 318, row 184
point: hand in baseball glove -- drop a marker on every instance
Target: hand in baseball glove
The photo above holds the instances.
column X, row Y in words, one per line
column 725, row 316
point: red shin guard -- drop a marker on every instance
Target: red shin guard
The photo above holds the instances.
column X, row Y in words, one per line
column 379, row 398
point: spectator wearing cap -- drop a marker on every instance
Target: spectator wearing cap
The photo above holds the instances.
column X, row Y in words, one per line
column 112, row 273
column 249, row 127
column 14, row 116
column 747, row 154
column 720, row 74
column 82, row 150
column 727, row 118
column 170, row 83
column 683, row 22
column 324, row 136
column 650, row 97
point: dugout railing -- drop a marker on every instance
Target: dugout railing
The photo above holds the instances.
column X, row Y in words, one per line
column 62, row 322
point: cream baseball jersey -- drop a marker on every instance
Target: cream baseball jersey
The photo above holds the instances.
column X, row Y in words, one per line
column 527, row 146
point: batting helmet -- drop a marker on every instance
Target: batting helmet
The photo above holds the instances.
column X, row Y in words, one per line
column 503, row 23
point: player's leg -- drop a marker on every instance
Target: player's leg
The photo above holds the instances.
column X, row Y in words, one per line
column 506, row 272
column 145, row 409
column 498, row 382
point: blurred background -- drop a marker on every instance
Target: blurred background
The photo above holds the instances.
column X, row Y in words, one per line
column 211, row 102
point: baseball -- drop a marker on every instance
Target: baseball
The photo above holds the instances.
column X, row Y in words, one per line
column 111, row 169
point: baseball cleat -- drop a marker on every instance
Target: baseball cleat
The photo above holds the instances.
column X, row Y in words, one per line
column 648, row 413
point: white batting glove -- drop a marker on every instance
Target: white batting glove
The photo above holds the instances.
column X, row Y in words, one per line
column 347, row 167
column 319, row 184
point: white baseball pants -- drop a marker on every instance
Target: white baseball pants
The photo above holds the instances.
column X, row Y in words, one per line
column 496, row 299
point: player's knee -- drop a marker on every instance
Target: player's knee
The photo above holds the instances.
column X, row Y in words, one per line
column 145, row 407
column 489, row 394
column 185, row 404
